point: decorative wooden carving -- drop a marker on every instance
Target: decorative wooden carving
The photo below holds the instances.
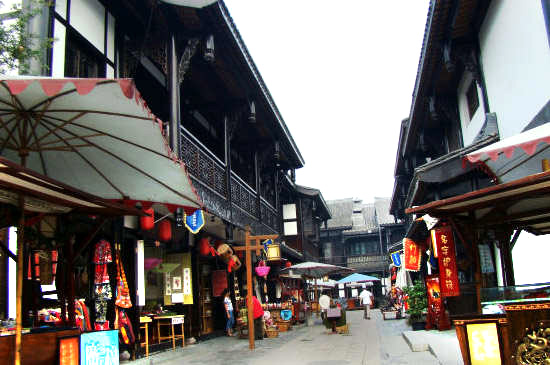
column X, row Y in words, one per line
column 467, row 55
column 185, row 60
column 534, row 347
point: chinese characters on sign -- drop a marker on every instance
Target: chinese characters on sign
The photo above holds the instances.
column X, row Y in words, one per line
column 448, row 274
column 483, row 343
column 396, row 258
column 412, row 255
column 68, row 351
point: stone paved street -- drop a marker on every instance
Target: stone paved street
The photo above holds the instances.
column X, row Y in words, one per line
column 374, row 342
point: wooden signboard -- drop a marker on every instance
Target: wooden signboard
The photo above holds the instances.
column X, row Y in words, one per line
column 69, row 350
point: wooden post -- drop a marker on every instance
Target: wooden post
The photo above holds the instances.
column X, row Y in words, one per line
column 19, row 277
column 248, row 254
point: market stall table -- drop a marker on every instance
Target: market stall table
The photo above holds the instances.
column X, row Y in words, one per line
column 170, row 322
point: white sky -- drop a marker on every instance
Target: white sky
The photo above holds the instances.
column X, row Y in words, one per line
column 342, row 74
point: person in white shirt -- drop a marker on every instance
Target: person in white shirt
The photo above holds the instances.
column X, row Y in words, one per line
column 366, row 300
column 228, row 305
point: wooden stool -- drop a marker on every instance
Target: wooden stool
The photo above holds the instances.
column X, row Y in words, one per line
column 144, row 325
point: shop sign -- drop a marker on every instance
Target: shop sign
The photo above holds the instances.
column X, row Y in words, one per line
column 195, row 221
column 177, row 320
column 99, row 348
column 68, row 351
column 445, row 246
column 483, row 344
column 396, row 258
column 412, row 255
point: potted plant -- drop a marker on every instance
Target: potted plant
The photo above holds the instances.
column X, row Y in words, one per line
column 418, row 305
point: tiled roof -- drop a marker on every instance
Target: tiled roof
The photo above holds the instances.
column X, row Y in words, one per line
column 365, row 221
column 382, row 206
column 341, row 211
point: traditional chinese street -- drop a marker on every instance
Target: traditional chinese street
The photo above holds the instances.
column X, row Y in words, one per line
column 372, row 342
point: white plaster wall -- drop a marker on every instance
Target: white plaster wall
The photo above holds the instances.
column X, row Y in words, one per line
column 516, row 62
column 470, row 127
column 61, row 8
column 88, row 18
column 58, row 58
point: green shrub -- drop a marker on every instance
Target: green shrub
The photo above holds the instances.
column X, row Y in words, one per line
column 418, row 301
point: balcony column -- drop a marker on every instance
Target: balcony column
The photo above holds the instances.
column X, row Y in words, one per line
column 173, row 88
column 227, row 141
column 257, row 184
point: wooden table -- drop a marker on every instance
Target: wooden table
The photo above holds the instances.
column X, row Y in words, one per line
column 170, row 322
column 144, row 325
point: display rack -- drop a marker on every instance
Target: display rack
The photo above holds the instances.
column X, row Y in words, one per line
column 205, row 304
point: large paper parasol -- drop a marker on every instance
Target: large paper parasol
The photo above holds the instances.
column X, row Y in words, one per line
column 357, row 278
column 316, row 269
column 94, row 134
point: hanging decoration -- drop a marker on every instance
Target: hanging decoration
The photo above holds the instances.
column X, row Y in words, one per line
column 233, row 264
column 103, row 292
column 396, row 258
column 195, row 221
column 412, row 255
column 165, row 230
column 448, row 275
column 205, row 248
column 147, row 222
column 262, row 269
column 122, row 291
column 225, row 252
column 273, row 252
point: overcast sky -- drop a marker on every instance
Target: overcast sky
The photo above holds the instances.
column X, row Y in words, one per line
column 342, row 74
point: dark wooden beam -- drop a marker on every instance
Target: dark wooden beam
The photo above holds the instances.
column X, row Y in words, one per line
column 88, row 239
column 7, row 251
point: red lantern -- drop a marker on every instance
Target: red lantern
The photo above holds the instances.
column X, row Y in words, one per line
column 165, row 230
column 288, row 264
column 147, row 222
column 205, row 248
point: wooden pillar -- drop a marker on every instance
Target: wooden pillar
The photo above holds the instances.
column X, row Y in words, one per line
column 69, row 256
column 227, row 139
column 257, row 182
column 249, row 304
column 19, row 285
column 174, row 92
column 506, row 259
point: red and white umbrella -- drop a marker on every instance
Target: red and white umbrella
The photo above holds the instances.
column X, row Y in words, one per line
column 514, row 157
column 94, row 134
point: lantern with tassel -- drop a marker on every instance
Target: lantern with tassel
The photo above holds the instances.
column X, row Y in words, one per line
column 233, row 264
column 225, row 252
column 165, row 230
column 147, row 222
column 288, row 264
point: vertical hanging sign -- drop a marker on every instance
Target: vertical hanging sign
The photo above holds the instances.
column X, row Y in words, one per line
column 396, row 258
column 444, row 243
column 195, row 221
column 412, row 255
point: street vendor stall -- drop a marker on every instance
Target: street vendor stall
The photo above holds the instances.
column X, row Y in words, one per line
column 40, row 199
column 510, row 320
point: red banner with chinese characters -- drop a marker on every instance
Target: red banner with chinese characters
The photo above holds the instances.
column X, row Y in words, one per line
column 412, row 255
column 444, row 244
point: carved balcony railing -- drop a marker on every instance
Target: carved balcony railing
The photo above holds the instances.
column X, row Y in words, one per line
column 203, row 164
column 208, row 170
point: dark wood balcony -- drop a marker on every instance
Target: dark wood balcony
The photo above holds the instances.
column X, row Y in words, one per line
column 209, row 176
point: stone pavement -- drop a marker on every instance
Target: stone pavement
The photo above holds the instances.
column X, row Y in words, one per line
column 369, row 342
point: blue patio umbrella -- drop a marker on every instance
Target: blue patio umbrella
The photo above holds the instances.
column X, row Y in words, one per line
column 357, row 278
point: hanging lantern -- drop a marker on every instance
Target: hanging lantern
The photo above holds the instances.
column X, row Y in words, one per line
column 147, row 222
column 288, row 264
column 273, row 252
column 233, row 264
column 165, row 230
column 205, row 248
column 225, row 252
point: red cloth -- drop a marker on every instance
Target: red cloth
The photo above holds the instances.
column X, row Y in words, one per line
column 258, row 310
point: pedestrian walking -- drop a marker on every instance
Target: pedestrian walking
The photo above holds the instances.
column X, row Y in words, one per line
column 228, row 305
column 366, row 300
column 258, row 314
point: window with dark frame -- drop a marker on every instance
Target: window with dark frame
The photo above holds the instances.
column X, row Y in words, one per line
column 472, row 99
column 82, row 60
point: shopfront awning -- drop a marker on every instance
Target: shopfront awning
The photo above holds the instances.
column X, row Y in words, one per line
column 514, row 157
column 48, row 196
column 519, row 204
column 94, row 134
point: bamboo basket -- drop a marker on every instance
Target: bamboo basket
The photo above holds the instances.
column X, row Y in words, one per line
column 272, row 332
